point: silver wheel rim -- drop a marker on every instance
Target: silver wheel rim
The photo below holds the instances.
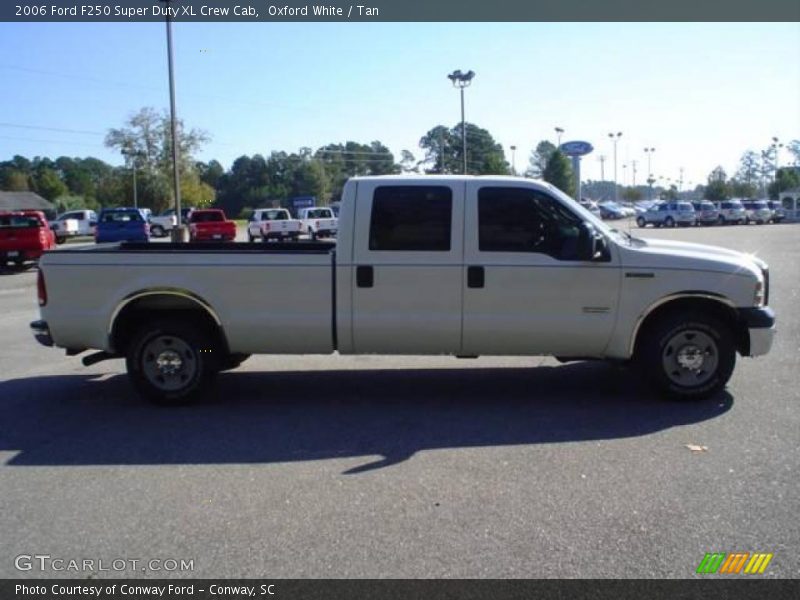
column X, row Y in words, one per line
column 168, row 363
column 690, row 358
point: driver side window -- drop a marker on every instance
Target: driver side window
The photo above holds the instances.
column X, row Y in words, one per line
column 523, row 220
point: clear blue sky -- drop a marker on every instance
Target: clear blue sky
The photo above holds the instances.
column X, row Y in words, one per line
column 700, row 93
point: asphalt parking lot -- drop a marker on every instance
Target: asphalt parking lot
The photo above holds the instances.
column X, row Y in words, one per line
column 405, row 467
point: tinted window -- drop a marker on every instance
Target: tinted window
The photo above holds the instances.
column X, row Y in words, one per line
column 122, row 217
column 411, row 218
column 319, row 213
column 685, row 206
column 207, row 217
column 274, row 215
column 522, row 220
column 18, row 221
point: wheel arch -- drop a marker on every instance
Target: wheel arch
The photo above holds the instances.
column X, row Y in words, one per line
column 146, row 305
column 705, row 302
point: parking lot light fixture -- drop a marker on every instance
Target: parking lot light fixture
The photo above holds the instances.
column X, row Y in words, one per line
column 461, row 80
column 615, row 138
column 559, row 133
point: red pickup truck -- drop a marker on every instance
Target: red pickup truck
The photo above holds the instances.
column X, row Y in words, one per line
column 24, row 236
column 210, row 225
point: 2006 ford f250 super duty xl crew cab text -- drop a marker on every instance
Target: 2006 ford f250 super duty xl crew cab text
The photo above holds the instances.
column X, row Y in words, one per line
column 464, row 266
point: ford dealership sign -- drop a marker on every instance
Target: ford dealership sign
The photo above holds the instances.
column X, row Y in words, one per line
column 576, row 148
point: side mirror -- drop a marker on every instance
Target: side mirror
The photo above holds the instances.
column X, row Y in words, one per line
column 591, row 245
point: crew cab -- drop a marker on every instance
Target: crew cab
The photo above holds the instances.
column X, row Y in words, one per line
column 318, row 221
column 24, row 236
column 121, row 225
column 273, row 224
column 210, row 224
column 424, row 265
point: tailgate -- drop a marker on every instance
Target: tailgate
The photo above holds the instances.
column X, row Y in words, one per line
column 19, row 238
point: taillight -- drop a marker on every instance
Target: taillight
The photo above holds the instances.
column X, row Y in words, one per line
column 41, row 290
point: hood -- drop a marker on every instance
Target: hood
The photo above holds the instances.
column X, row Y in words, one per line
column 669, row 253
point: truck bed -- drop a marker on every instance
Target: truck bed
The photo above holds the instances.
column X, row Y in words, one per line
column 269, row 298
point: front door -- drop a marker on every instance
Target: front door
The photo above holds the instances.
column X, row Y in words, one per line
column 526, row 291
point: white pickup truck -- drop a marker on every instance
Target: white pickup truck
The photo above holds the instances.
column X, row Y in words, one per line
column 464, row 266
column 318, row 221
column 273, row 224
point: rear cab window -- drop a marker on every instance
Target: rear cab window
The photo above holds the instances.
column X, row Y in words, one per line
column 411, row 218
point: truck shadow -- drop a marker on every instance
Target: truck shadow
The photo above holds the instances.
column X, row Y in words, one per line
column 311, row 415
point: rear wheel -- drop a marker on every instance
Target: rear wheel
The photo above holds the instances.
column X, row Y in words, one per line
column 641, row 222
column 669, row 222
column 687, row 356
column 312, row 234
column 171, row 362
column 60, row 240
column 157, row 231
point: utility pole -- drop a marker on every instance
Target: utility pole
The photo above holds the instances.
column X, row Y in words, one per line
column 178, row 233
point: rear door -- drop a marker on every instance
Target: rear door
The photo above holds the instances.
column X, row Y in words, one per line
column 407, row 267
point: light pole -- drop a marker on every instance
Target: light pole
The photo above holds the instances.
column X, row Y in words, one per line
column 649, row 153
column 178, row 233
column 559, row 133
column 777, row 148
column 615, row 138
column 513, row 160
column 602, row 160
column 462, row 80
column 633, row 165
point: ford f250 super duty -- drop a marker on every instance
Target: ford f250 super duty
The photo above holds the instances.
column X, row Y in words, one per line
column 464, row 266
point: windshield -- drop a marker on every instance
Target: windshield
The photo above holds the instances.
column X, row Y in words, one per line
column 685, row 206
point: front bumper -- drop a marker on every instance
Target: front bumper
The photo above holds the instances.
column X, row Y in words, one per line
column 41, row 333
column 760, row 323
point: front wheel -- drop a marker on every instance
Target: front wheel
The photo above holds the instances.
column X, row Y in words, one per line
column 641, row 222
column 687, row 356
column 669, row 222
column 171, row 362
column 60, row 240
column 157, row 231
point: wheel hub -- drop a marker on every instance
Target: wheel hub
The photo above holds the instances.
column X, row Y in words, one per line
column 169, row 362
column 691, row 357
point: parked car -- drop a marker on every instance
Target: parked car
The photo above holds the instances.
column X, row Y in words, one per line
column 121, row 225
column 24, row 236
column 591, row 206
column 778, row 212
column 318, row 221
column 273, row 223
column 757, row 211
column 731, row 212
column 74, row 223
column 668, row 214
column 425, row 265
column 706, row 212
column 612, row 210
column 161, row 225
column 210, row 224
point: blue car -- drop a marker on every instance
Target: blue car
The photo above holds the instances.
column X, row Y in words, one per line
column 121, row 225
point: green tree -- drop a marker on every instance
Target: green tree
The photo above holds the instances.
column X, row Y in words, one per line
column 147, row 135
column 785, row 179
column 14, row 180
column 717, row 188
column 632, row 194
column 48, row 184
column 444, row 146
column 558, row 172
column 538, row 159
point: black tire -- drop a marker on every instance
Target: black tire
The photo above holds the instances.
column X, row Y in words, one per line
column 721, row 220
column 669, row 222
column 184, row 347
column 641, row 222
column 60, row 240
column 312, row 234
column 669, row 347
column 157, row 231
column 232, row 361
